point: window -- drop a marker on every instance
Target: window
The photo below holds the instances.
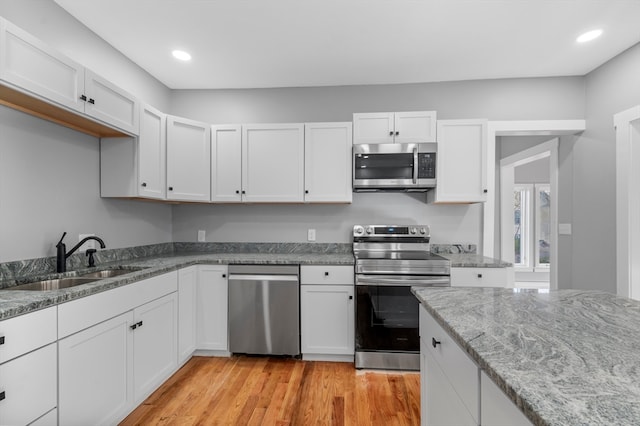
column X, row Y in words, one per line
column 532, row 226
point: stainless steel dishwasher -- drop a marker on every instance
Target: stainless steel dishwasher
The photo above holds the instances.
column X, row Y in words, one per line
column 264, row 309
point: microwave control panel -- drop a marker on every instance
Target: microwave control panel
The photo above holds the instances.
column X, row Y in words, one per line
column 426, row 165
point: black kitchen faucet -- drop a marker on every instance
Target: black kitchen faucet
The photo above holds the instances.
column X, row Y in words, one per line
column 61, row 259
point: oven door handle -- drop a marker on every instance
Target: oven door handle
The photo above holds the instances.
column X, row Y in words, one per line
column 403, row 281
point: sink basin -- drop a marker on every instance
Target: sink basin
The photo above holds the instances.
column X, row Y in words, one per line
column 107, row 273
column 57, row 284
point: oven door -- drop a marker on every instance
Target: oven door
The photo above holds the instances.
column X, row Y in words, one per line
column 387, row 312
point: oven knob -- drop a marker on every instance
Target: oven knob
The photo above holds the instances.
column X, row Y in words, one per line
column 358, row 230
column 413, row 230
column 370, row 230
column 423, row 231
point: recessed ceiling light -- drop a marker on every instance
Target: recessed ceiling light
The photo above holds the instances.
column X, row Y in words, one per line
column 181, row 55
column 589, row 35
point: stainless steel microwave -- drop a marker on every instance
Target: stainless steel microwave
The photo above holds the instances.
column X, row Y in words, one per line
column 409, row 167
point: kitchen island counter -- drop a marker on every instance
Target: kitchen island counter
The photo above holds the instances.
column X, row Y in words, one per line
column 565, row 357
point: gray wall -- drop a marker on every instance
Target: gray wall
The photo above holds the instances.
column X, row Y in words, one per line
column 613, row 87
column 547, row 98
column 49, row 175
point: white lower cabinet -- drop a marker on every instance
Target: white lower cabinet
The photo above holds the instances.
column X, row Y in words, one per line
column 187, row 297
column 28, row 387
column 496, row 408
column 453, row 389
column 482, row 277
column 327, row 312
column 95, row 384
column 49, row 419
column 212, row 310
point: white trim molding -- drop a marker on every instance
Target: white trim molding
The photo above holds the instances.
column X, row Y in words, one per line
column 627, row 125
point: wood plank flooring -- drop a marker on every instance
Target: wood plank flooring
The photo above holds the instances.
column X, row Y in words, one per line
column 244, row 390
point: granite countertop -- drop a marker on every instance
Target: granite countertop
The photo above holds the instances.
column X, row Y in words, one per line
column 565, row 357
column 472, row 260
column 18, row 302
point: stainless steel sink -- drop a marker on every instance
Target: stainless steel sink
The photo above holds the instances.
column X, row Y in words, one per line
column 57, row 284
column 107, row 273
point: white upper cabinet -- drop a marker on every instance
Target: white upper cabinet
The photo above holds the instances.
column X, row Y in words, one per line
column 394, row 127
column 109, row 103
column 461, row 169
column 226, row 161
column 136, row 167
column 327, row 162
column 273, row 163
column 188, row 160
column 30, row 65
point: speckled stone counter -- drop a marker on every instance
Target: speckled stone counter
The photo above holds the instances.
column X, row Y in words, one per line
column 158, row 261
column 565, row 357
column 471, row 260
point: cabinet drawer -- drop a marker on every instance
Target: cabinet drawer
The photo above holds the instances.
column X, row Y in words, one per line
column 482, row 277
column 83, row 313
column 459, row 369
column 326, row 274
column 29, row 384
column 27, row 332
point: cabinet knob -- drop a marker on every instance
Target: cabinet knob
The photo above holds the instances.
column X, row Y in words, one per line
column 306, row 191
column 91, row 101
column 397, row 133
column 83, row 98
column 243, row 192
column 224, row 275
column 237, row 192
column 391, row 133
column 485, row 191
column 1, row 340
column 350, row 297
column 171, row 188
column 434, row 342
column 2, row 396
column 144, row 184
column 479, row 275
column 326, row 274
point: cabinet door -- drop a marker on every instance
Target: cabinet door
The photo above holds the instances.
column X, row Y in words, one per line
column 212, row 309
column 496, row 408
column 461, row 170
column 151, row 155
column 95, row 386
column 226, row 164
column 327, row 319
column 440, row 404
column 155, row 344
column 187, row 288
column 327, row 162
column 374, row 127
column 188, row 160
column 415, row 127
column 273, row 163
column 28, row 385
column 111, row 104
column 30, row 64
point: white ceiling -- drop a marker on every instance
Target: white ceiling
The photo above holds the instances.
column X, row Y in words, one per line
column 290, row 43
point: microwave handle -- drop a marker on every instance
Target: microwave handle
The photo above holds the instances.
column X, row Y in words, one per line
column 415, row 165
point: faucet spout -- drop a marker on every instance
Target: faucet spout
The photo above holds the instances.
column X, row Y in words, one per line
column 62, row 254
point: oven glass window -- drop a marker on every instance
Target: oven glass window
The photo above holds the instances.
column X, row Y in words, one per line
column 383, row 166
column 387, row 319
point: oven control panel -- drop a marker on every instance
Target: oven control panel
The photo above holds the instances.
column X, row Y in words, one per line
column 391, row 231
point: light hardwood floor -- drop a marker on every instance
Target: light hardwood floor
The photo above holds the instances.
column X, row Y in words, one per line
column 244, row 390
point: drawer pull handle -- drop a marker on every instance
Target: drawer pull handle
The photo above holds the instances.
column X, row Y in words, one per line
column 1, row 340
column 434, row 342
column 2, row 396
column 139, row 324
column 350, row 297
column 326, row 274
column 133, row 326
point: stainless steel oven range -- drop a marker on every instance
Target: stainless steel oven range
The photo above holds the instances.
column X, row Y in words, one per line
column 390, row 259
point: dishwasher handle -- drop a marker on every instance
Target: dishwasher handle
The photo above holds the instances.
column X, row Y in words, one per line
column 247, row 277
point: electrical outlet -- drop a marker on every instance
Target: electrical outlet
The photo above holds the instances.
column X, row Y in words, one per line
column 91, row 244
column 202, row 235
column 311, row 234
